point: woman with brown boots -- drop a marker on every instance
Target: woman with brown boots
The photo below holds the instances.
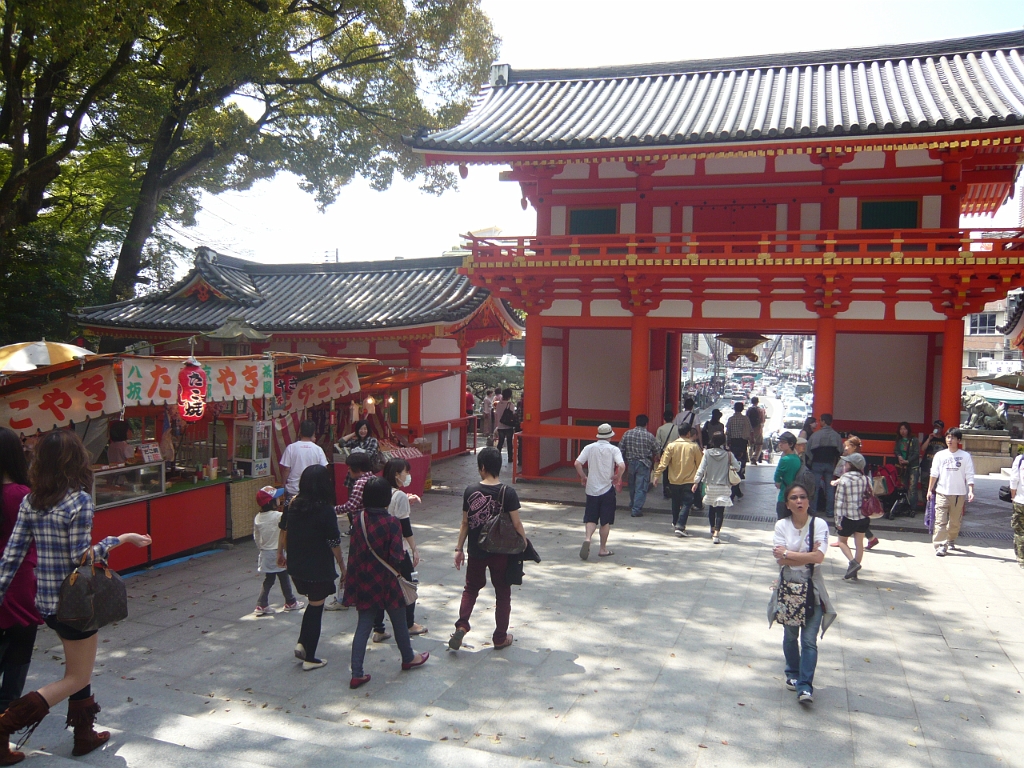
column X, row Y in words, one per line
column 57, row 517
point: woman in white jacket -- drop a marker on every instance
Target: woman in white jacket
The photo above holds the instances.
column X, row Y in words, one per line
column 714, row 471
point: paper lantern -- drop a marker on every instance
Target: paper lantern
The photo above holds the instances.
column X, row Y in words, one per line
column 192, row 392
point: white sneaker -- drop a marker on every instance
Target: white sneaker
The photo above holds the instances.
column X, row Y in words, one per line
column 715, row 540
column 334, row 605
column 298, row 605
column 268, row 611
column 805, row 697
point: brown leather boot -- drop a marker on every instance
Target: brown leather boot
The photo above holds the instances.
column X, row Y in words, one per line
column 81, row 716
column 26, row 712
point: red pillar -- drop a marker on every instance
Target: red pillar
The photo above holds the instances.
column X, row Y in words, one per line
column 952, row 371
column 531, row 394
column 415, row 392
column 824, row 365
column 639, row 366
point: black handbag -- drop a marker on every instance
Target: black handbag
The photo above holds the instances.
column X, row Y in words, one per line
column 1005, row 494
column 499, row 535
column 92, row 596
column 509, row 418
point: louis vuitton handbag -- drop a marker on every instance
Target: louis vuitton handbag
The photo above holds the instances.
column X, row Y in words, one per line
column 92, row 596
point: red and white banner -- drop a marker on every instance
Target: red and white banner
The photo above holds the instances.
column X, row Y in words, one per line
column 323, row 388
column 153, row 381
column 75, row 398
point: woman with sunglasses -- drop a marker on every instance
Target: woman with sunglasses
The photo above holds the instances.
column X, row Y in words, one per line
column 800, row 543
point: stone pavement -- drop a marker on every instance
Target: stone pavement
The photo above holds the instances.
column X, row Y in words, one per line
column 658, row 656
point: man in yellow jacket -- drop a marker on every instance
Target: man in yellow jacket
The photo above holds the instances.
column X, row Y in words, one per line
column 682, row 458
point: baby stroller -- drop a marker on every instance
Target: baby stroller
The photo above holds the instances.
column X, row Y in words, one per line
column 889, row 488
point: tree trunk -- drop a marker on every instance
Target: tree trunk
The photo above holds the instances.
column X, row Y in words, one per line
column 129, row 260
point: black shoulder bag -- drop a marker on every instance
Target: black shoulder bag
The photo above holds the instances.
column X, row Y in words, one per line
column 499, row 535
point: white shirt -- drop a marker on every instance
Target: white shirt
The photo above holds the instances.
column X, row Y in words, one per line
column 685, row 417
column 601, row 459
column 399, row 508
column 1017, row 480
column 265, row 530
column 798, row 539
column 296, row 458
column 955, row 471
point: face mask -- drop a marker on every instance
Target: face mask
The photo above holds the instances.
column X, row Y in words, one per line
column 407, row 481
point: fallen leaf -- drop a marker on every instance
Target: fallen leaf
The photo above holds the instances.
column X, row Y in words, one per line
column 946, row 697
column 962, row 715
column 725, row 742
column 867, row 659
column 444, row 738
column 702, row 746
column 615, row 735
column 740, row 704
column 580, row 761
column 911, row 743
column 673, row 656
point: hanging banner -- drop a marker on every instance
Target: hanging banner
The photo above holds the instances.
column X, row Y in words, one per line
column 192, row 384
column 324, row 388
column 75, row 398
column 149, row 381
column 238, row 379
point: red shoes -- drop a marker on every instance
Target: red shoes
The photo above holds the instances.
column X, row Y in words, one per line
column 873, row 542
column 411, row 664
column 355, row 682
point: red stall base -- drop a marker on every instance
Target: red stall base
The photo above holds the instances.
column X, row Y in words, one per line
column 186, row 520
column 130, row 518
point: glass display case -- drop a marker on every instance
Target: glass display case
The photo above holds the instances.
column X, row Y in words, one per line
column 125, row 484
column 252, row 448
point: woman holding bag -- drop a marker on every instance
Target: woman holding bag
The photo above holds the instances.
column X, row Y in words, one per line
column 374, row 556
column 57, row 517
column 714, row 471
column 799, row 544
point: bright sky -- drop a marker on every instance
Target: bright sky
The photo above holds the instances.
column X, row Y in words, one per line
column 277, row 222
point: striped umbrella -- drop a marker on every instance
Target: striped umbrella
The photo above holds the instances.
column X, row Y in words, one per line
column 29, row 355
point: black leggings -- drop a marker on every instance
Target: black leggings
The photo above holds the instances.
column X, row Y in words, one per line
column 505, row 435
column 15, row 657
column 716, row 516
column 309, row 633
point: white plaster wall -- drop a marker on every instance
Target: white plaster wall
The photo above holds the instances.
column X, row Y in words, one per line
column 688, row 218
column 438, row 346
column 403, row 407
column 907, row 158
column 662, row 219
column 678, row 167
column 614, row 170
column 608, row 308
column 557, row 220
column 931, row 211
column 790, row 310
column 550, row 378
column 781, row 224
column 442, row 399
column 547, row 332
column 866, row 160
column 599, row 368
column 314, row 348
column 847, row 212
column 864, row 392
column 916, row 310
column 863, row 310
column 564, row 308
column 386, row 348
column 673, row 308
column 795, row 163
column 715, row 166
column 573, row 171
column 627, row 219
column 810, row 215
column 549, row 453
column 741, row 309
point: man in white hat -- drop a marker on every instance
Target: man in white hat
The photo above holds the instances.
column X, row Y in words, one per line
column 605, row 466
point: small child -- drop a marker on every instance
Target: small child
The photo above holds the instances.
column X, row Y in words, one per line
column 265, row 533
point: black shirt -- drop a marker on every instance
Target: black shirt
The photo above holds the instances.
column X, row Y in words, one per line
column 481, row 503
column 312, row 532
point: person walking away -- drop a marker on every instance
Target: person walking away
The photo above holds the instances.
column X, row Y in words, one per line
column 1017, row 518
column 603, row 476
column 851, row 488
column 714, row 471
column 470, row 401
column 825, row 447
column 314, row 547
column 397, row 474
column 711, row 426
column 266, row 534
column 503, row 432
column 299, row 455
column 487, row 413
column 666, row 433
column 934, row 442
column 19, row 617
column 952, row 483
column 480, row 502
column 795, row 548
column 370, row 586
column 56, row 516
column 908, row 458
column 756, row 416
column 687, row 416
column 680, row 460
column 786, row 471
column 359, row 474
column 737, row 429
column 638, row 448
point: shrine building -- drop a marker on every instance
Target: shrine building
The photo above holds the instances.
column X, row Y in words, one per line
column 416, row 318
column 808, row 193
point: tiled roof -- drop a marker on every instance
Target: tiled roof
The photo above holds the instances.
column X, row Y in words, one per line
column 949, row 84
column 357, row 296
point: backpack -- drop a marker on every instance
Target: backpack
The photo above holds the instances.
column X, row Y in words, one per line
column 755, row 416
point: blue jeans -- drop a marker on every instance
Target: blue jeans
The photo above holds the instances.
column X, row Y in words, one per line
column 823, row 476
column 362, row 635
column 682, row 501
column 800, row 645
column 638, row 476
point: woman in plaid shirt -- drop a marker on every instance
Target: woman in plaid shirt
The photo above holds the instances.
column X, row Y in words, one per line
column 57, row 517
column 850, row 520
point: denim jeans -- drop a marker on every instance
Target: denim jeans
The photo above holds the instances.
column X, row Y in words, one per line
column 682, row 500
column 362, row 635
column 800, row 645
column 823, row 476
column 638, row 476
column 268, row 581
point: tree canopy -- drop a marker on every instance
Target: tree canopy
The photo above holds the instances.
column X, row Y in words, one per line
column 117, row 115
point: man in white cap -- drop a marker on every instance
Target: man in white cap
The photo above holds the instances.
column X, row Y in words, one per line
column 603, row 476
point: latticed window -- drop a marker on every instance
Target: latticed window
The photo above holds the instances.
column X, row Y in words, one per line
column 983, row 323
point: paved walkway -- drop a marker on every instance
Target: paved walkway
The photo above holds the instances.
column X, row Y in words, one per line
column 658, row 656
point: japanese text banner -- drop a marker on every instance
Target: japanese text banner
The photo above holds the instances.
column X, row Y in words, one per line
column 155, row 381
column 324, row 387
column 75, row 398
column 149, row 381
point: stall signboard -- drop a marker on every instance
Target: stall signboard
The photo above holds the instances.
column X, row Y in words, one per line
column 192, row 388
column 86, row 395
column 150, row 381
column 323, row 388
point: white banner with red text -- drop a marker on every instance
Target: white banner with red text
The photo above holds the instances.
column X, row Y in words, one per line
column 74, row 398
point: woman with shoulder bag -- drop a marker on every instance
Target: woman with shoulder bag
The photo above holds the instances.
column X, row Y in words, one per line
column 480, row 503
column 714, row 471
column 19, row 616
column 505, row 425
column 799, row 544
column 57, row 518
column 374, row 556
